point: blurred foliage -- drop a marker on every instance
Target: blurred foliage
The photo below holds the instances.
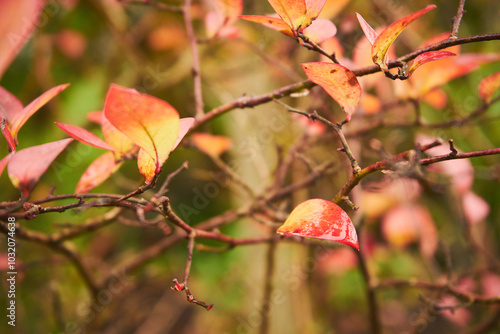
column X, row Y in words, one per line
column 94, row 43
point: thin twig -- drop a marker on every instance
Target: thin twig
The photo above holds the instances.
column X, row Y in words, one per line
column 198, row 94
column 457, row 19
column 268, row 288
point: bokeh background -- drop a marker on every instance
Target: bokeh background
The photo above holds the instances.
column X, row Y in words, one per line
column 316, row 288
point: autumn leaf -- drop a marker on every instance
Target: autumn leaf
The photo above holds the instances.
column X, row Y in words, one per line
column 114, row 137
column 386, row 38
column 209, row 144
column 314, row 8
column 367, row 29
column 270, row 22
column 220, row 18
column 149, row 122
column 84, row 136
column 488, row 86
column 185, row 125
column 428, row 57
column 27, row 166
column 321, row 219
column 98, row 172
column 339, row 82
column 146, row 165
column 18, row 119
column 293, row 12
column 19, row 20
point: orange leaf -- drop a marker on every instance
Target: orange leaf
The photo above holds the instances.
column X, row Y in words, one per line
column 114, row 137
column 149, row 122
column 223, row 14
column 428, row 57
column 387, row 37
column 270, row 22
column 98, row 172
column 27, row 166
column 367, row 29
column 488, row 86
column 339, row 82
column 313, row 8
column 95, row 116
column 84, row 136
column 211, row 144
column 321, row 219
column 146, row 165
column 19, row 20
column 293, row 12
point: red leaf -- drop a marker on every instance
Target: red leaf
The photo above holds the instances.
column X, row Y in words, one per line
column 11, row 143
column 27, row 166
column 224, row 14
column 367, row 29
column 19, row 20
column 10, row 106
column 321, row 219
column 339, row 82
column 428, row 57
column 84, row 136
column 387, row 37
column 149, row 122
column 21, row 117
column 98, row 172
column 488, row 86
column 115, row 137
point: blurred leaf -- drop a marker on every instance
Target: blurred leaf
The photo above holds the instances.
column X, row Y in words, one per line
column 339, row 82
column 488, row 86
column 5, row 161
column 18, row 20
column 211, row 144
column 321, row 219
column 320, row 30
column 185, row 125
column 27, row 166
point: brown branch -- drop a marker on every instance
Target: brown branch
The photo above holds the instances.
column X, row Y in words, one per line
column 196, row 71
column 457, row 19
column 370, row 295
column 268, row 288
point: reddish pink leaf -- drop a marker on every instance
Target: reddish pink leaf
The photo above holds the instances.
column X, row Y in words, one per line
column 18, row 21
column 321, row 219
column 313, row 8
column 10, row 106
column 20, row 118
column 98, row 172
column 490, row 284
column 428, row 57
column 293, row 12
column 387, row 37
column 320, row 30
column 149, row 122
column 270, row 22
column 84, row 136
column 367, row 29
column 27, row 166
column 339, row 82
column 5, row 161
column 11, row 143
column 488, row 86
column 184, row 126
column 223, row 14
